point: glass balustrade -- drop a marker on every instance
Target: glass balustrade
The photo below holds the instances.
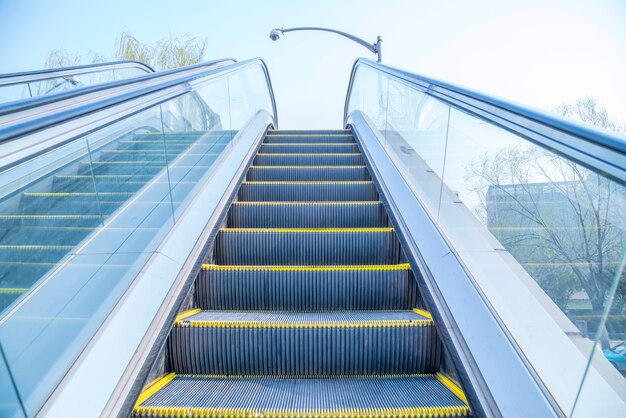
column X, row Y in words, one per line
column 562, row 223
column 77, row 226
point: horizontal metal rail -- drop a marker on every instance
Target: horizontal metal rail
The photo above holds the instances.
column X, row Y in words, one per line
column 596, row 149
column 35, row 102
column 20, row 129
column 39, row 75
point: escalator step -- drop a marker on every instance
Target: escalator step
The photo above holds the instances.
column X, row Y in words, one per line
column 292, row 288
column 314, row 147
column 425, row 396
column 309, row 139
column 307, row 215
column 309, row 173
column 261, row 191
column 309, row 159
column 274, row 343
column 314, row 247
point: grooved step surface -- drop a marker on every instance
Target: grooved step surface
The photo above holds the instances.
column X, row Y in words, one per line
column 306, row 247
column 400, row 396
column 308, row 173
column 308, row 191
column 307, row 215
column 293, row 288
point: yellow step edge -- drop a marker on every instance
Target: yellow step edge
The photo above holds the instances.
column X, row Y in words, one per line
column 50, row 216
column 292, row 203
column 423, row 313
column 382, row 267
column 12, row 290
column 154, row 388
column 306, row 144
column 298, row 230
column 309, row 182
column 278, row 134
column 312, row 154
column 198, row 412
column 282, row 167
column 454, row 388
column 304, row 377
column 67, row 194
column 384, row 323
column 36, row 247
column 186, row 314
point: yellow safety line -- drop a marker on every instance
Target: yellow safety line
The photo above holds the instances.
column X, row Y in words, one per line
column 68, row 194
column 298, row 230
column 49, row 216
column 383, row 323
column 36, row 247
column 306, row 144
column 186, row 314
column 311, row 154
column 309, row 182
column 382, row 267
column 303, row 377
column 259, row 203
column 199, row 412
column 154, row 388
column 423, row 313
column 454, row 388
column 12, row 290
column 272, row 134
column 342, row 167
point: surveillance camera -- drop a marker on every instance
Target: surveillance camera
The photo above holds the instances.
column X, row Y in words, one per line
column 274, row 35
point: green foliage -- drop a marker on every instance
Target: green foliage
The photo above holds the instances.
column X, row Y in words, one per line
column 170, row 52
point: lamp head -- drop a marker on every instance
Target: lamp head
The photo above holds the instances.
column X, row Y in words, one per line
column 275, row 34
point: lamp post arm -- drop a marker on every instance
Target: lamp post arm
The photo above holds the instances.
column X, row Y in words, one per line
column 374, row 48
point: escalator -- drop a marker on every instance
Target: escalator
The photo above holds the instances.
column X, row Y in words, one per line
column 44, row 221
column 306, row 305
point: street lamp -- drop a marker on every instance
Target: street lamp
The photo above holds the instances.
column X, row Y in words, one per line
column 375, row 48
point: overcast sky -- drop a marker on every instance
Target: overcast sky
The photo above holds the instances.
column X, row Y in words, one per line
column 538, row 52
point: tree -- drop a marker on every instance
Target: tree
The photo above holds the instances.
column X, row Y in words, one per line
column 170, row 52
column 557, row 218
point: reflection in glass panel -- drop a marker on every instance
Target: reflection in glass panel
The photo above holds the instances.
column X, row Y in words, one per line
column 10, row 404
column 563, row 223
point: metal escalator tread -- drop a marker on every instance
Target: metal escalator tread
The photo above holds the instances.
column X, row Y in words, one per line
column 318, row 397
column 308, row 308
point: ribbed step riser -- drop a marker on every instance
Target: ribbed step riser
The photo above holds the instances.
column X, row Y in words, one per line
column 158, row 153
column 308, row 148
column 310, row 159
column 19, row 274
column 371, row 397
column 304, row 351
column 171, row 146
column 299, row 139
column 307, row 216
column 307, row 192
column 302, row 290
column 44, row 220
column 355, row 173
column 68, row 186
column 309, row 132
column 49, row 236
column 143, row 167
column 306, row 249
column 38, row 255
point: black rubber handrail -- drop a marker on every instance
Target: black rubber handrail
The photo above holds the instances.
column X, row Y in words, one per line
column 22, row 128
column 601, row 151
column 30, row 103
column 45, row 74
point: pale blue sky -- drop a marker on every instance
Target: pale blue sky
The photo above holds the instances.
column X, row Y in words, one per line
column 537, row 52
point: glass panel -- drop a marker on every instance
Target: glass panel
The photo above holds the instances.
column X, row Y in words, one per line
column 78, row 224
column 10, row 403
column 490, row 189
column 14, row 92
